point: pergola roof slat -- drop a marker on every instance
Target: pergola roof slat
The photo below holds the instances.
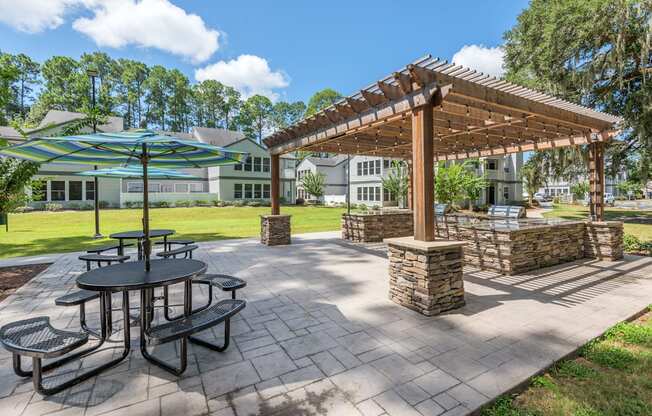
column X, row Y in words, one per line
column 471, row 104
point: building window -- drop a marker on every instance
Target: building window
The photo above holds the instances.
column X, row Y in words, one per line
column 266, row 164
column 167, row 187
column 181, row 188
column 365, row 168
column 506, row 193
column 387, row 196
column 134, row 187
column 359, row 193
column 196, row 187
column 491, row 164
column 258, row 191
column 248, row 194
column 378, row 167
column 154, row 187
column 58, row 190
column 266, row 191
column 247, row 165
column 386, row 163
column 90, row 190
column 238, row 166
column 359, row 168
column 258, row 164
column 237, row 191
column 75, row 190
column 365, row 193
column 378, row 188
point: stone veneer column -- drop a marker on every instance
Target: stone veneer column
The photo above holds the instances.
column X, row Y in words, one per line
column 604, row 240
column 275, row 230
column 426, row 276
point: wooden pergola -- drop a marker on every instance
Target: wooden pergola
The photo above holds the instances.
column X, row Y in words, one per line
column 435, row 111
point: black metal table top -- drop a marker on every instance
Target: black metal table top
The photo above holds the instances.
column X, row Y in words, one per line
column 132, row 275
column 139, row 234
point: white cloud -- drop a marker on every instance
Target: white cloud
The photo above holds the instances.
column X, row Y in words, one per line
column 483, row 59
column 118, row 23
column 149, row 23
column 33, row 16
column 249, row 74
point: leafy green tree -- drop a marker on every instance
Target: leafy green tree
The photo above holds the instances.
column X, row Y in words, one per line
column 255, row 117
column 28, row 78
column 321, row 100
column 157, row 96
column 397, row 180
column 533, row 177
column 15, row 178
column 579, row 190
column 8, row 76
column 456, row 182
column 131, row 90
column 597, row 53
column 285, row 114
column 209, row 98
column 313, row 184
column 178, row 102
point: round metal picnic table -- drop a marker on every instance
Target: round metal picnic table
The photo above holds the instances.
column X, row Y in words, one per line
column 140, row 235
column 132, row 276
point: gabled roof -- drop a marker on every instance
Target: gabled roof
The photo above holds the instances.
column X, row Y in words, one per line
column 59, row 117
column 217, row 137
column 327, row 161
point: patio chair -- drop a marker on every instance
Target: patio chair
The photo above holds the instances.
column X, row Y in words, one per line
column 183, row 328
column 101, row 258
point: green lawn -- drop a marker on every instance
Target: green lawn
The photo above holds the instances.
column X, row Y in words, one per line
column 55, row 232
column 611, row 377
column 637, row 223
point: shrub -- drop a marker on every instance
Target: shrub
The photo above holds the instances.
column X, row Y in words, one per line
column 239, row 203
column 104, row 204
column 87, row 207
column 266, row 203
column 217, row 203
column 24, row 209
column 184, row 203
column 299, row 201
column 73, row 205
column 133, row 204
column 254, row 204
column 51, row 206
column 159, row 204
column 202, row 203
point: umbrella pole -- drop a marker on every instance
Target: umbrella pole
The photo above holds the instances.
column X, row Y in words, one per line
column 147, row 245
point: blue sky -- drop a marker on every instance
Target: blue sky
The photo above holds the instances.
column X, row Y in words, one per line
column 284, row 49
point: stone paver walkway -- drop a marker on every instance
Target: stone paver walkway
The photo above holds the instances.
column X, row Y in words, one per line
column 319, row 337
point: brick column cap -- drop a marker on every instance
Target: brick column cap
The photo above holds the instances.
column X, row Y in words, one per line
column 275, row 216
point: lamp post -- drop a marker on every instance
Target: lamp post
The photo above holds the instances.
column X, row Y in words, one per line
column 92, row 74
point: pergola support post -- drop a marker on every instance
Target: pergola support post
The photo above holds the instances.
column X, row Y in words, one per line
column 275, row 228
column 596, row 181
column 410, row 191
column 423, row 173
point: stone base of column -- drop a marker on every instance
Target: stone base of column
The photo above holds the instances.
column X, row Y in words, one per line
column 275, row 230
column 426, row 276
column 604, row 240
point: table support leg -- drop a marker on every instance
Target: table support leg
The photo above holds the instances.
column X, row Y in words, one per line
column 145, row 313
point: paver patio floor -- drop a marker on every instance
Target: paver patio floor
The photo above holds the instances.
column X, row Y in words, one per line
column 319, row 336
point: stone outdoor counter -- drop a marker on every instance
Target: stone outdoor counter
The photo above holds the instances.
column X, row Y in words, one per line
column 374, row 227
column 425, row 276
column 512, row 247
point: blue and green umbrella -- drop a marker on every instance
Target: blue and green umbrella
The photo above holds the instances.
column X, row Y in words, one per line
column 145, row 147
column 136, row 171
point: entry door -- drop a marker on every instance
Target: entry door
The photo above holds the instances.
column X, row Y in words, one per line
column 491, row 195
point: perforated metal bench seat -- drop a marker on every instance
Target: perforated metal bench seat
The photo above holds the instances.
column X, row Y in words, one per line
column 223, row 281
column 103, row 258
column 76, row 297
column 196, row 322
column 36, row 338
column 99, row 250
column 186, row 251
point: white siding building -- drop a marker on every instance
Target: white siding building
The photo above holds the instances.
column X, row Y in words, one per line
column 248, row 181
column 334, row 170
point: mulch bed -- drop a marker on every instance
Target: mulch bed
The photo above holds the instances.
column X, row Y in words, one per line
column 11, row 278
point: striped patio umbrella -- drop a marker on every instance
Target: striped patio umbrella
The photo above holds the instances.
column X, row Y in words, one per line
column 136, row 171
column 146, row 147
